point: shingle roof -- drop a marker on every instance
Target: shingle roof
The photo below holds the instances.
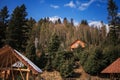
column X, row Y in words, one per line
column 10, row 56
column 113, row 68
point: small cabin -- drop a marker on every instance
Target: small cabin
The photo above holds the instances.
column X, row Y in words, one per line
column 76, row 44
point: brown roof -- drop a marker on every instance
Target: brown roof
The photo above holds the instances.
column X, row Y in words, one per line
column 81, row 43
column 113, row 68
column 10, row 56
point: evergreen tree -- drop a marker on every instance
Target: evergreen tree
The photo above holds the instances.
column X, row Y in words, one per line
column 84, row 22
column 17, row 29
column 112, row 12
column 65, row 21
column 59, row 21
column 53, row 47
column 72, row 23
column 54, row 43
column 113, row 21
column 30, row 23
column 3, row 24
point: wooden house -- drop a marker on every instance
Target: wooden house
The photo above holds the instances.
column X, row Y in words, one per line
column 113, row 70
column 76, row 44
column 13, row 63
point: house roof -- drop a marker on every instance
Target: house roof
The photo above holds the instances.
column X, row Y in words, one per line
column 113, row 68
column 82, row 44
column 10, row 57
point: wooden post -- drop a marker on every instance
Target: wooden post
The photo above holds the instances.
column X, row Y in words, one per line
column 5, row 76
column 27, row 75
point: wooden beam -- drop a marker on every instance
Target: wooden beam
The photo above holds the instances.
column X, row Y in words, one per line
column 4, row 50
column 27, row 74
column 25, row 70
column 15, row 69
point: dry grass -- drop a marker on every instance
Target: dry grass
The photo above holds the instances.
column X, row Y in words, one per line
column 54, row 75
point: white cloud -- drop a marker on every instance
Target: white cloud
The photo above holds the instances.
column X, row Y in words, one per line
column 98, row 24
column 70, row 4
column 76, row 23
column 118, row 14
column 54, row 6
column 95, row 24
column 84, row 6
column 54, row 18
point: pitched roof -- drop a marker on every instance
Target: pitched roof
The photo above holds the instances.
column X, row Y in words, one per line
column 9, row 57
column 81, row 43
column 113, row 68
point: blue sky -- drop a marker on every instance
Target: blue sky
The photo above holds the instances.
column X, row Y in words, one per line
column 91, row 10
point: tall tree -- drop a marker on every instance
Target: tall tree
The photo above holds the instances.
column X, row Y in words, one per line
column 53, row 47
column 54, row 43
column 3, row 24
column 59, row 21
column 84, row 22
column 112, row 19
column 30, row 23
column 65, row 21
column 112, row 12
column 17, row 28
column 72, row 23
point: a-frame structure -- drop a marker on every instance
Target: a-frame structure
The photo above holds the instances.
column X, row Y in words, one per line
column 13, row 63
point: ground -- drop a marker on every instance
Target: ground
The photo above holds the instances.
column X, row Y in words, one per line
column 80, row 74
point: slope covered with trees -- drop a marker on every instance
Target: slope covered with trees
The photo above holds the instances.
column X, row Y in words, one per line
column 47, row 43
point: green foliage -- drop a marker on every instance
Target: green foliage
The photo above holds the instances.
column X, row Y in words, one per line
column 17, row 29
column 3, row 24
column 78, row 53
column 54, row 43
column 31, row 52
column 94, row 61
column 42, row 61
column 52, row 49
column 111, row 53
column 64, row 62
column 66, row 69
column 112, row 12
column 114, row 21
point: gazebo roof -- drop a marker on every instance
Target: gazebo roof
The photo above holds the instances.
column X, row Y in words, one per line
column 10, row 57
column 113, row 68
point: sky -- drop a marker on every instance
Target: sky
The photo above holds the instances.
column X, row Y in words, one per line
column 90, row 10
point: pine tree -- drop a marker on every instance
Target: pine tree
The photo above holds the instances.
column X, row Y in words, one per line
column 112, row 12
column 112, row 19
column 72, row 23
column 17, row 29
column 59, row 21
column 54, row 43
column 30, row 23
column 3, row 24
column 53, row 47
column 84, row 22
column 65, row 21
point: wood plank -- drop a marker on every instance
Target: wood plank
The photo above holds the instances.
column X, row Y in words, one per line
column 15, row 69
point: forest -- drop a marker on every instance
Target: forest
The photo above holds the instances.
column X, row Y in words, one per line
column 47, row 43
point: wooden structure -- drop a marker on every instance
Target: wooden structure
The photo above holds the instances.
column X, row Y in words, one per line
column 114, row 70
column 13, row 63
column 76, row 44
